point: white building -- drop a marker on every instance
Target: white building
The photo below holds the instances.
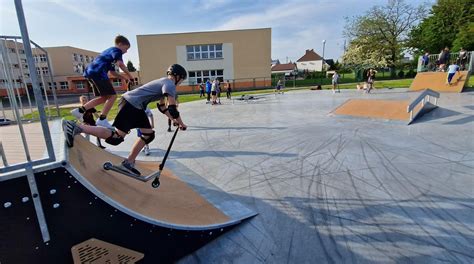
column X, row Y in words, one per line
column 311, row 61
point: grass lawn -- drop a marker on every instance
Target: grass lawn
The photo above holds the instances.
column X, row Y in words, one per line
column 399, row 83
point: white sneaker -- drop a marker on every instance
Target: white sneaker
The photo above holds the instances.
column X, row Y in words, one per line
column 147, row 150
column 78, row 115
column 103, row 123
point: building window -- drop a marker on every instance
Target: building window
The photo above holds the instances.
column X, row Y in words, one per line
column 16, row 66
column 74, row 56
column 64, row 85
column 36, row 58
column 45, row 70
column 38, row 72
column 80, row 85
column 81, row 58
column 204, row 52
column 43, row 57
column 27, row 75
column 87, row 59
column 50, row 85
column 21, row 51
column 12, row 50
column 201, row 76
column 117, row 82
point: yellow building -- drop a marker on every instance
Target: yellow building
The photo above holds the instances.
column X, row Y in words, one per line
column 240, row 56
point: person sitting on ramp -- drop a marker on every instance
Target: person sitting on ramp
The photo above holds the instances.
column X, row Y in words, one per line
column 132, row 115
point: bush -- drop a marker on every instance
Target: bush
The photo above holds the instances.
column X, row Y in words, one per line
column 401, row 74
column 410, row 74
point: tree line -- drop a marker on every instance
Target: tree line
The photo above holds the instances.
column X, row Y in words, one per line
column 380, row 37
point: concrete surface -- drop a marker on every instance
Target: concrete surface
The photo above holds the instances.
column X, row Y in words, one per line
column 332, row 189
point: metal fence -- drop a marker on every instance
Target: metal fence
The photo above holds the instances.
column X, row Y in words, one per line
column 18, row 77
column 433, row 64
column 31, row 166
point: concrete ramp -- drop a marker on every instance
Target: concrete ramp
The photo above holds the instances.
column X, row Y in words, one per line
column 382, row 109
column 437, row 81
column 183, row 201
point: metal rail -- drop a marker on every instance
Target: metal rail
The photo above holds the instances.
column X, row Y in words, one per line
column 422, row 98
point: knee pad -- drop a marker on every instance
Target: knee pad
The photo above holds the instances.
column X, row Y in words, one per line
column 173, row 111
column 148, row 137
column 162, row 108
column 114, row 140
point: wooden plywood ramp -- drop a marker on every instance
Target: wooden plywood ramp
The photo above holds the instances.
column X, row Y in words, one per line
column 382, row 109
column 437, row 81
column 183, row 201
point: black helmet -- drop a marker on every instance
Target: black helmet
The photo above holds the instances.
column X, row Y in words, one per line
column 177, row 70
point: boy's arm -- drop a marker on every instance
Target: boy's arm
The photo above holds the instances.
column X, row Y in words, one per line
column 124, row 68
column 172, row 115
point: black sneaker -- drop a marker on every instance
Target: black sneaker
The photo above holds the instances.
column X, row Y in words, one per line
column 130, row 167
column 70, row 130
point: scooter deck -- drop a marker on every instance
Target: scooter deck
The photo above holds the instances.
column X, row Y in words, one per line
column 109, row 166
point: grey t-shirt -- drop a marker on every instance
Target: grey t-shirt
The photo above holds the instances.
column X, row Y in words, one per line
column 149, row 92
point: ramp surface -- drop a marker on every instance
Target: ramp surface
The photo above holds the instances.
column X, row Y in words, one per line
column 383, row 109
column 175, row 204
column 437, row 81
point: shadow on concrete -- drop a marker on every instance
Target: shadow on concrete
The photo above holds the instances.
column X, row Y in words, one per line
column 461, row 121
column 331, row 230
column 176, row 154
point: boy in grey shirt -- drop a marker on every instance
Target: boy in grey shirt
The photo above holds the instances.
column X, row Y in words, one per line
column 132, row 115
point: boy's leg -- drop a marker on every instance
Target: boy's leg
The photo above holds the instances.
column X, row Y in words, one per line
column 109, row 102
column 148, row 133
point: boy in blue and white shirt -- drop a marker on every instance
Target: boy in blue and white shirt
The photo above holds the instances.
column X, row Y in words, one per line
column 96, row 74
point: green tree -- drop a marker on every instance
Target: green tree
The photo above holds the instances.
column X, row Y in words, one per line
column 449, row 24
column 378, row 37
column 130, row 66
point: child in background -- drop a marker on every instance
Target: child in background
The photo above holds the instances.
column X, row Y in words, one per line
column 452, row 69
column 149, row 114
column 89, row 117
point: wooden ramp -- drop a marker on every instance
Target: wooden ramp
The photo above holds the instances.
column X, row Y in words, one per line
column 183, row 201
column 437, row 81
column 382, row 109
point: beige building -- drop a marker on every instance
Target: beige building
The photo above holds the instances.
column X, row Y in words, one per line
column 240, row 56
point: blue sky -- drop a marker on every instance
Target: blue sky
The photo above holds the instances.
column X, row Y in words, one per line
column 296, row 25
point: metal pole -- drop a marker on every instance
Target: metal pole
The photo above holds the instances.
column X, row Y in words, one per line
column 23, row 76
column 31, row 65
column 14, row 107
column 322, row 65
column 50, row 77
column 3, row 110
column 2, row 153
column 44, row 85
column 13, row 81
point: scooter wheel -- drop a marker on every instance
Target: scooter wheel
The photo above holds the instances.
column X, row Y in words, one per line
column 155, row 183
column 107, row 165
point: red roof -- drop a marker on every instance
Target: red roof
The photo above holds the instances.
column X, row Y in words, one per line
column 310, row 56
column 284, row 67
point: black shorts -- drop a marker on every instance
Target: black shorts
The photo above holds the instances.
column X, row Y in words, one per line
column 101, row 87
column 130, row 117
column 213, row 93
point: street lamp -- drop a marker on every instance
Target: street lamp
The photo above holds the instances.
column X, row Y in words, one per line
column 322, row 63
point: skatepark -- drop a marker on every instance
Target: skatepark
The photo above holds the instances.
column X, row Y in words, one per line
column 325, row 187
column 304, row 176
